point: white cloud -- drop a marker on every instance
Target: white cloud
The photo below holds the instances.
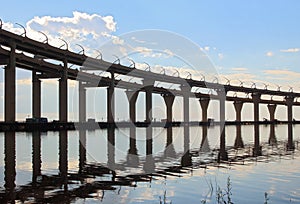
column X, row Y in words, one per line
column 269, row 54
column 287, row 78
column 206, row 48
column 168, row 52
column 117, row 41
column 291, row 50
column 240, row 69
column 144, row 50
column 221, row 56
column 137, row 40
column 79, row 24
column 90, row 30
column 147, row 52
column 283, row 74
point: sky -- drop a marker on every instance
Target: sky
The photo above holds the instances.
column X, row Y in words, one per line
column 253, row 41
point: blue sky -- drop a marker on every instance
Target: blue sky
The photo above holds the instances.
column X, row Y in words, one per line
column 242, row 31
column 248, row 40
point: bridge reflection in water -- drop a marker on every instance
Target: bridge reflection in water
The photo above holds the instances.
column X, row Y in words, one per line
column 95, row 177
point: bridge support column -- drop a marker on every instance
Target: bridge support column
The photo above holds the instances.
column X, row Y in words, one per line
column 223, row 156
column 169, row 100
column 256, row 100
column 204, row 102
column 82, row 102
column 132, row 97
column 10, row 86
column 186, row 90
column 257, row 147
column 272, row 109
column 63, row 95
column 238, row 105
column 111, row 101
column 289, row 102
column 36, row 96
column 148, row 86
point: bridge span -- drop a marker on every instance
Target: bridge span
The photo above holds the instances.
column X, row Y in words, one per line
column 18, row 51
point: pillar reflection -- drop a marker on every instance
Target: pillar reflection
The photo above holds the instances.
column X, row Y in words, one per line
column 238, row 143
column 186, row 159
column 63, row 157
column 111, row 163
column 82, row 149
column 257, row 148
column 36, row 156
column 10, row 167
column 169, row 151
column 149, row 165
column 132, row 155
column 204, row 142
column 272, row 138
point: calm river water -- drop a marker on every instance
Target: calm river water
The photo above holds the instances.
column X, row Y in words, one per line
column 151, row 165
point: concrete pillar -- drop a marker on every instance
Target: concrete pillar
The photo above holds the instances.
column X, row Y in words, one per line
column 169, row 100
column 63, row 95
column 186, row 91
column 132, row 97
column 36, row 96
column 257, row 147
column 82, row 102
column 10, row 165
column 256, row 101
column 204, row 102
column 289, row 103
column 272, row 109
column 148, row 86
column 10, row 86
column 111, row 101
column 238, row 105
